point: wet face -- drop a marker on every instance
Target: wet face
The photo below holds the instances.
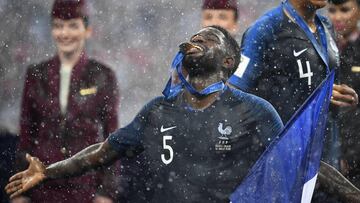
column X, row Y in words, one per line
column 205, row 53
column 317, row 4
column 70, row 35
column 310, row 4
column 221, row 17
column 344, row 17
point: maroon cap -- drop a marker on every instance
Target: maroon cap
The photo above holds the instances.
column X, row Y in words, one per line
column 220, row 4
column 68, row 9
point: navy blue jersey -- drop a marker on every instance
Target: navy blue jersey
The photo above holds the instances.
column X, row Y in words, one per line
column 186, row 155
column 280, row 64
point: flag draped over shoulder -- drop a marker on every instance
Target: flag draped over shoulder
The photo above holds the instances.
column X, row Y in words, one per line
column 287, row 170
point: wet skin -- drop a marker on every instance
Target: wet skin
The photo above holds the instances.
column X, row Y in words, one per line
column 69, row 35
column 204, row 53
column 100, row 155
column 207, row 45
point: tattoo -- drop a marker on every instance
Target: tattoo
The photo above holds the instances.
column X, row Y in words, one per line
column 92, row 157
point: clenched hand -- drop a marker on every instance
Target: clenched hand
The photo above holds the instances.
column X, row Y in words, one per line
column 344, row 96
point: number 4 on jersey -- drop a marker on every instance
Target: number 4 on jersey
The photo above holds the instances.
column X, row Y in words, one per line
column 308, row 74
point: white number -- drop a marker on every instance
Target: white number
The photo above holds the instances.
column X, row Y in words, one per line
column 168, row 147
column 308, row 74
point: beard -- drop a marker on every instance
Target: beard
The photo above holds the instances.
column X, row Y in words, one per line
column 201, row 62
column 316, row 4
column 199, row 66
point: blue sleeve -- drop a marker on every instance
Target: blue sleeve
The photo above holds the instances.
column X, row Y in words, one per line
column 330, row 28
column 128, row 140
column 327, row 23
column 266, row 122
column 254, row 45
column 269, row 124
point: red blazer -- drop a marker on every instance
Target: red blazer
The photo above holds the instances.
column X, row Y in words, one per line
column 91, row 114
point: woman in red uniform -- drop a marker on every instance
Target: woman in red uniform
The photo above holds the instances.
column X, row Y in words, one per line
column 70, row 101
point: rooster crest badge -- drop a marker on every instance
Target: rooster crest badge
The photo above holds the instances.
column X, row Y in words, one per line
column 223, row 144
column 224, row 132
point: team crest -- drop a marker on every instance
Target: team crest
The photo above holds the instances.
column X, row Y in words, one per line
column 223, row 142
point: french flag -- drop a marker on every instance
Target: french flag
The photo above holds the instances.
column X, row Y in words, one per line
column 287, row 170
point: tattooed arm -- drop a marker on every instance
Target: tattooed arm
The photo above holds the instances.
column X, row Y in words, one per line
column 92, row 157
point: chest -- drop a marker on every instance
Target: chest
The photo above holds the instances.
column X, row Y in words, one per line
column 84, row 94
column 201, row 138
column 291, row 55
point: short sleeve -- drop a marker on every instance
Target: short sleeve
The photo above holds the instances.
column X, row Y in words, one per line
column 254, row 48
column 127, row 141
column 252, row 55
column 269, row 124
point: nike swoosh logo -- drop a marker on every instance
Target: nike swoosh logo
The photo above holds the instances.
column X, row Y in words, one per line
column 296, row 54
column 162, row 129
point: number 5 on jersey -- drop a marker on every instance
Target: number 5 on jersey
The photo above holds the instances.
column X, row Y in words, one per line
column 169, row 148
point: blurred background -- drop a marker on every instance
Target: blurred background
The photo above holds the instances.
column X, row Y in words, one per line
column 136, row 38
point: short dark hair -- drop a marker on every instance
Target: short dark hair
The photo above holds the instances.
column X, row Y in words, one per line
column 70, row 9
column 337, row 2
column 222, row 4
column 233, row 45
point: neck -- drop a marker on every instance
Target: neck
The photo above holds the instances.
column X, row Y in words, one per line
column 199, row 83
column 70, row 59
column 306, row 12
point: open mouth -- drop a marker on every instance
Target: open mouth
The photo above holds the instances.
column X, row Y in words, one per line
column 65, row 43
column 188, row 48
column 339, row 26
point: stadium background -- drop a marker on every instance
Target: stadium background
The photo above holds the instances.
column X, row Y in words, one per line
column 136, row 38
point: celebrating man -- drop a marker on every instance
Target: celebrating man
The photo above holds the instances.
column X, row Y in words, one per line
column 193, row 146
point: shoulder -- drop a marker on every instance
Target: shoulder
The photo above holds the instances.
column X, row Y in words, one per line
column 98, row 67
column 270, row 22
column 248, row 98
column 157, row 101
column 103, row 75
column 259, row 112
column 325, row 21
column 328, row 25
column 39, row 70
column 154, row 104
column 258, row 106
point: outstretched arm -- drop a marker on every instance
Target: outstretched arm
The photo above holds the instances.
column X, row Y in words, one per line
column 92, row 157
column 336, row 183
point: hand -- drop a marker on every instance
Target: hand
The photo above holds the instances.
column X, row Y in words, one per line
column 352, row 198
column 25, row 180
column 20, row 199
column 344, row 96
column 102, row 199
